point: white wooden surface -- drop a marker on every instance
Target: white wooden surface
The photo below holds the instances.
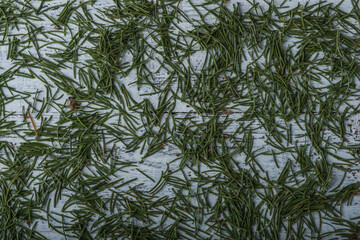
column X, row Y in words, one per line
column 155, row 164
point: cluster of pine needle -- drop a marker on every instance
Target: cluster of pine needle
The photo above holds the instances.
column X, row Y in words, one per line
column 179, row 119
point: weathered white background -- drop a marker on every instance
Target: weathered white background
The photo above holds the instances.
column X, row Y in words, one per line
column 154, row 165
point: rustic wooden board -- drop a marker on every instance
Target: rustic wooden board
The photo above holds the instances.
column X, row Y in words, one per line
column 157, row 163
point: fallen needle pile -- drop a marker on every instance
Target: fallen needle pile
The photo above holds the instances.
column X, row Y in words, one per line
column 179, row 119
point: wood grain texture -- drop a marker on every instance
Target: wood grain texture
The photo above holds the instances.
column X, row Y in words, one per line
column 158, row 163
